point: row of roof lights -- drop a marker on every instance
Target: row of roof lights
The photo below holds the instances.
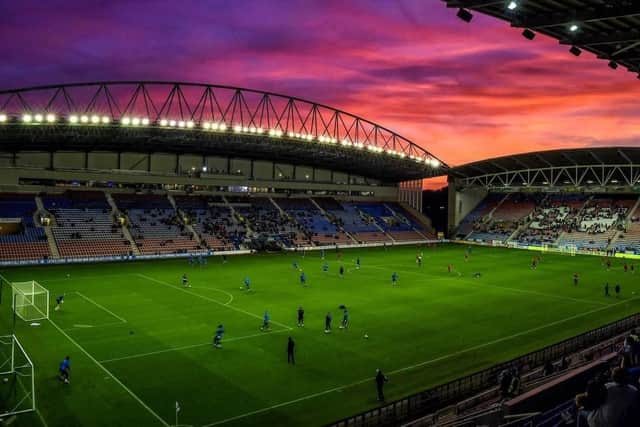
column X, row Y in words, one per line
column 214, row 126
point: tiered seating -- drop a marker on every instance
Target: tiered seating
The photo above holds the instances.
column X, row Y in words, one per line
column 213, row 221
column 362, row 227
column 30, row 242
column 555, row 214
column 318, row 228
column 265, row 219
column 629, row 239
column 419, row 232
column 595, row 225
column 506, row 218
column 154, row 224
column 84, row 226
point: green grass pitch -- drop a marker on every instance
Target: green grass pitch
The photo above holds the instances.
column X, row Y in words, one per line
column 139, row 342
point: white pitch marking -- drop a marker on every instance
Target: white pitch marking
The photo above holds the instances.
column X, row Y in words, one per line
column 102, row 307
column 217, row 290
column 187, row 347
column 408, row 368
column 484, row 284
column 101, row 366
column 239, row 310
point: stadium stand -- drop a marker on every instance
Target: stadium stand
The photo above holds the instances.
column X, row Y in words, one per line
column 213, row 221
column 154, row 224
column 26, row 240
column 478, row 213
column 84, row 226
column 319, row 229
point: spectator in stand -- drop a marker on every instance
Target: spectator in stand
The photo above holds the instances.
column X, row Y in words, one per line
column 622, row 404
column 590, row 401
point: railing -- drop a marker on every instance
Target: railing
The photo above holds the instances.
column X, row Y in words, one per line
column 436, row 398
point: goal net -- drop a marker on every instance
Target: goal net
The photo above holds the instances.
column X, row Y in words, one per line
column 30, row 300
column 17, row 380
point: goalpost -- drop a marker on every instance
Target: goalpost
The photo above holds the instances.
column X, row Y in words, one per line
column 30, row 300
column 17, row 379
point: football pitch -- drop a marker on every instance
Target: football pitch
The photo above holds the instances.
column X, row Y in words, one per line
column 139, row 342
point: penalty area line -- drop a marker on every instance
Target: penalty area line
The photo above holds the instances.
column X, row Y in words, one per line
column 100, row 306
column 190, row 346
column 113, row 377
column 418, row 365
column 230, row 307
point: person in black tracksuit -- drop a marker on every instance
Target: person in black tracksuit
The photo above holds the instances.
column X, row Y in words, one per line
column 380, row 380
column 291, row 358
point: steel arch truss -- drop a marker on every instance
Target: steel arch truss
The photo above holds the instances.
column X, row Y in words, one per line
column 194, row 106
column 597, row 175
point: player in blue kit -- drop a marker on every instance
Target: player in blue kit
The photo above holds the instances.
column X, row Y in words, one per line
column 217, row 339
column 65, row 369
column 266, row 321
column 303, row 279
column 325, row 267
column 394, row 278
column 247, row 284
column 59, row 302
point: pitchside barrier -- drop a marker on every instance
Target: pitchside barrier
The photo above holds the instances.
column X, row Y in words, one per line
column 17, row 379
column 121, row 258
column 434, row 399
column 569, row 249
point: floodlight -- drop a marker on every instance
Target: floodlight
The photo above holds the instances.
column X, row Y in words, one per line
column 38, row 117
column 465, row 15
column 84, row 119
column 3, row 118
column 27, row 118
column 512, row 5
column 164, row 122
column 190, row 124
column 260, row 130
column 145, row 121
column 51, row 118
column 237, row 128
column 126, row 121
column 573, row 28
column 223, row 126
column 135, row 121
column 172, row 123
column 181, row 124
column 105, row 120
column 206, row 125
column 95, row 119
column 73, row 119
column 252, row 129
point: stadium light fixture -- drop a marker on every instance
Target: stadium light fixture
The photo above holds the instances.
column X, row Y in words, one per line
column 260, row 131
column 575, row 51
column 512, row 5
column 3, row 118
column 74, row 119
column 38, row 118
column 172, row 123
column 216, row 126
column 465, row 15
column 84, row 119
column 126, row 121
column 95, row 119
column 135, row 121
column 245, row 129
column 290, row 135
column 206, row 125
column 223, row 126
column 27, row 118
column 181, row 124
column 252, row 129
column 204, row 168
column 105, row 120
column 528, row 34
column 51, row 118
column 237, row 128
column 190, row 124
column 145, row 121
column 573, row 28
column 164, row 122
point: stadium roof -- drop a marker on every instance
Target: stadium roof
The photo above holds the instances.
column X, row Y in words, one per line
column 608, row 28
column 605, row 166
column 204, row 119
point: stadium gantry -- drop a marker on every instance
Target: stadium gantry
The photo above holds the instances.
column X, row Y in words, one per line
column 602, row 169
column 177, row 117
column 609, row 29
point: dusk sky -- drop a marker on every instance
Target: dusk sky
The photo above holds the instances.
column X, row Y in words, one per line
column 463, row 91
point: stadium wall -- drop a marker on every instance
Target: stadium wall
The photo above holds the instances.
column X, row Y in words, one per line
column 461, row 202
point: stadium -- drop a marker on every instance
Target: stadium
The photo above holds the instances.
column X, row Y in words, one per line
column 211, row 255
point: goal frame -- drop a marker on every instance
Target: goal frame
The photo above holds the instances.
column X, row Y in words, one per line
column 28, row 366
column 19, row 295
